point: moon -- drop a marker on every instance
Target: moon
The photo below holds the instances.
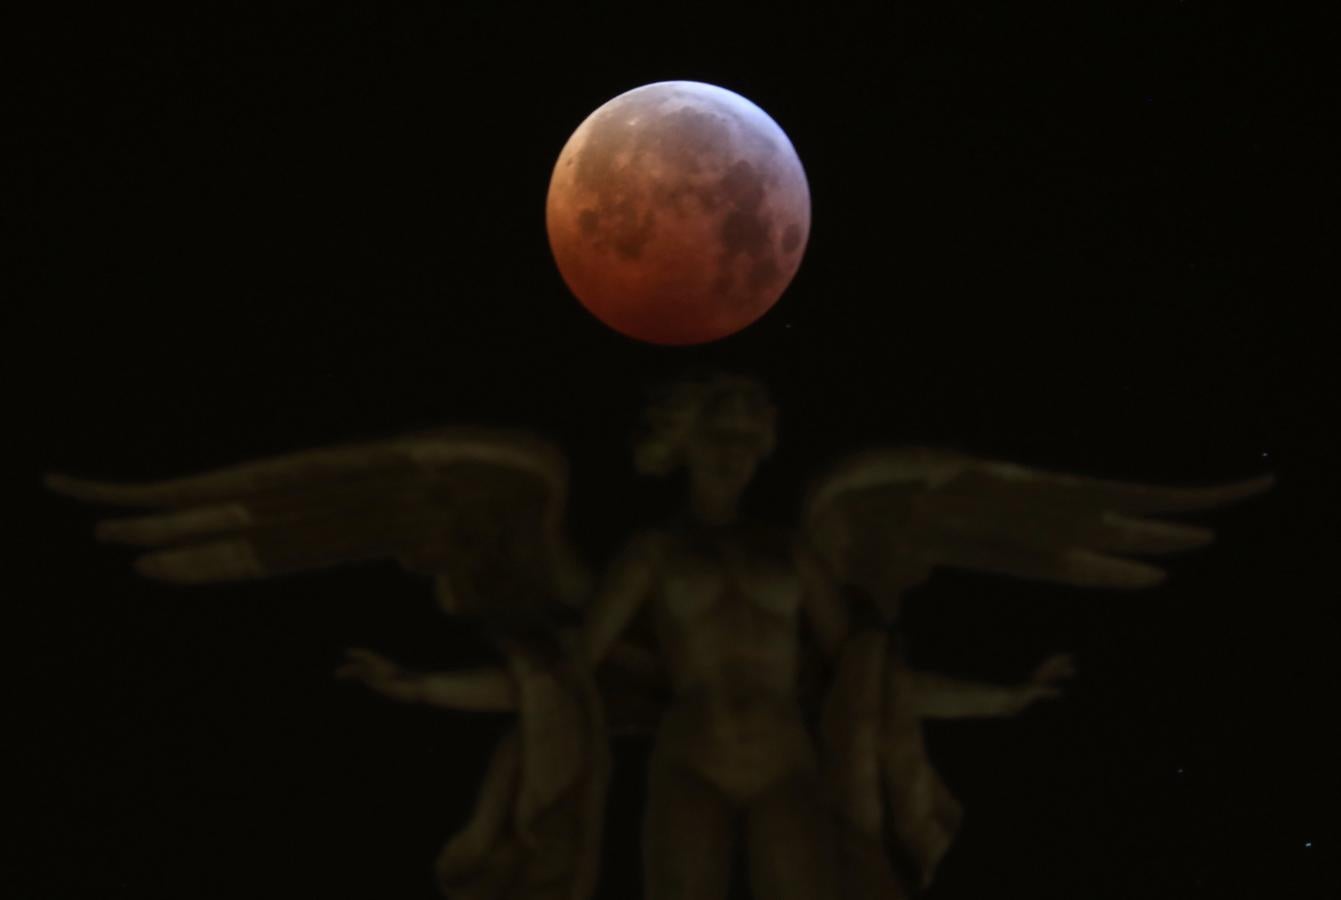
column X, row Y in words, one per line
column 678, row 213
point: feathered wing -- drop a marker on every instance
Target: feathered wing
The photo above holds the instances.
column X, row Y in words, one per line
column 882, row 522
column 482, row 508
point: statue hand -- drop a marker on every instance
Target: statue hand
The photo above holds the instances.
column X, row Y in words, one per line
column 1045, row 682
column 1058, row 667
column 379, row 673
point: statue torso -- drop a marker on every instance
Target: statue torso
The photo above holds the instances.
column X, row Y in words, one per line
column 725, row 613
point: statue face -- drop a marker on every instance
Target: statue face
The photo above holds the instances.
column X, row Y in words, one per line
column 735, row 432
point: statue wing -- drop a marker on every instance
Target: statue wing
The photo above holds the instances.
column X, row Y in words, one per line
column 481, row 507
column 883, row 520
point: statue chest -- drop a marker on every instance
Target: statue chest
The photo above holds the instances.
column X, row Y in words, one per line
column 729, row 573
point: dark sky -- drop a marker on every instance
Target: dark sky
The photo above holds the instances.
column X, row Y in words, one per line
column 1079, row 239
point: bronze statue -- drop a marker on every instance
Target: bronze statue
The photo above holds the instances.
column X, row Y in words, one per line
column 803, row 742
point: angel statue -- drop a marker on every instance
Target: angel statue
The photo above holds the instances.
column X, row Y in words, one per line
column 764, row 660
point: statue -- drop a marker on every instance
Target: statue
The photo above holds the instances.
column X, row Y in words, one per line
column 764, row 660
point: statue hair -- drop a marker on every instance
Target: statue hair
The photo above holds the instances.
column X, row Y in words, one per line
column 672, row 413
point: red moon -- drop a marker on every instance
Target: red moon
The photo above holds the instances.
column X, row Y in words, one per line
column 678, row 213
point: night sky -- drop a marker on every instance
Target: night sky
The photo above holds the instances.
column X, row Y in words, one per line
column 1071, row 238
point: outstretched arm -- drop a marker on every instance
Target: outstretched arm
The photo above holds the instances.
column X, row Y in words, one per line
column 823, row 602
column 937, row 696
column 626, row 586
column 489, row 689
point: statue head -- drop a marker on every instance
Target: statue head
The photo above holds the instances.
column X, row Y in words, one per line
column 718, row 426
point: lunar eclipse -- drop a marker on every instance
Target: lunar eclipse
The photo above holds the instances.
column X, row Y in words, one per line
column 678, row 213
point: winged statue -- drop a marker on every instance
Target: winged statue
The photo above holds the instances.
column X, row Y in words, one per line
column 763, row 660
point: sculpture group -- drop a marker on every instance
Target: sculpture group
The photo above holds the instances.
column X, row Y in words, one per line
column 765, row 662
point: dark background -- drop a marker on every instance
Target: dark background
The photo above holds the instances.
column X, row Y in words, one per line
column 1076, row 238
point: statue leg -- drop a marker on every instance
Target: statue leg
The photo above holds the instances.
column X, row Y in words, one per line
column 791, row 842
column 866, row 870
column 687, row 836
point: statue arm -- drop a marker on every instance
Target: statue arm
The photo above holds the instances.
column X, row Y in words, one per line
column 487, row 689
column 625, row 588
column 823, row 602
column 936, row 696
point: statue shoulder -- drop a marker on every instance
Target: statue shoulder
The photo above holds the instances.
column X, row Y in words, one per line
column 649, row 546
